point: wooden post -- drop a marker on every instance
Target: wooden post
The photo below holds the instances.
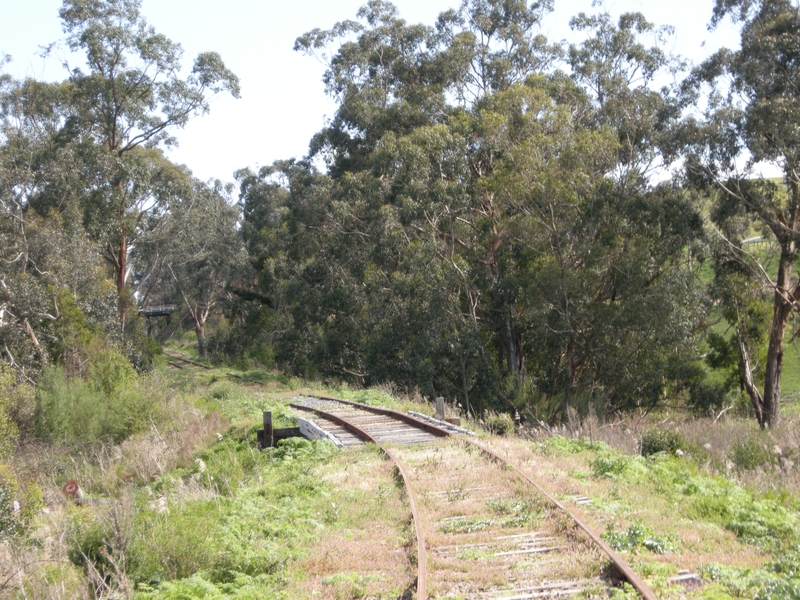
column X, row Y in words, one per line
column 440, row 408
column 269, row 440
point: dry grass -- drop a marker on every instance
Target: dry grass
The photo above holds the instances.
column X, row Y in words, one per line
column 39, row 566
column 710, row 441
column 480, row 519
column 365, row 552
column 567, row 476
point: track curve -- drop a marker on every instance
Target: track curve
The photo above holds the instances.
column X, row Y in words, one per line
column 404, row 433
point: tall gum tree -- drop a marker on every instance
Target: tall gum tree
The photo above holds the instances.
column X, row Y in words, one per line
column 751, row 120
column 130, row 95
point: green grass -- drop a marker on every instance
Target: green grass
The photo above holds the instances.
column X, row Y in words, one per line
column 767, row 522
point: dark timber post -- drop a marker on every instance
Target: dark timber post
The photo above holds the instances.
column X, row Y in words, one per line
column 440, row 409
column 269, row 440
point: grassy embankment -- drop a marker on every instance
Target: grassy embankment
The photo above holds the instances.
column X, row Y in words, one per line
column 173, row 511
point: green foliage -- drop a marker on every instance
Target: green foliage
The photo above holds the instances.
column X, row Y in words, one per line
column 505, row 513
column 559, row 444
column 239, row 404
column 760, row 584
column 91, row 543
column 499, row 424
column 503, row 247
column 637, row 536
column 72, row 410
column 225, row 546
column 749, row 121
column 350, row 584
column 750, row 453
column 110, row 371
column 659, row 440
column 764, row 522
column 613, row 464
column 10, row 400
column 177, row 545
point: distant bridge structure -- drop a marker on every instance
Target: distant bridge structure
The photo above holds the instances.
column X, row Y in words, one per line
column 164, row 310
column 151, row 312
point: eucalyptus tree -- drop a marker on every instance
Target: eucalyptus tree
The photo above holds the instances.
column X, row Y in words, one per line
column 472, row 235
column 48, row 268
column 749, row 121
column 628, row 83
column 127, row 100
column 205, row 251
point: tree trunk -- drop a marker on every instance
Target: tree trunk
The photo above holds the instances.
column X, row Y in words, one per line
column 746, row 379
column 515, row 361
column 780, row 318
column 121, row 264
column 200, row 330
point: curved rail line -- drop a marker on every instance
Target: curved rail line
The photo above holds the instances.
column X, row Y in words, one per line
column 619, row 563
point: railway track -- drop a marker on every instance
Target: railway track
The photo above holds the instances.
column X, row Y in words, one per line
column 177, row 359
column 484, row 528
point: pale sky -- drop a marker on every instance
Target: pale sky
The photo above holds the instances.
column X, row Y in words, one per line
column 283, row 101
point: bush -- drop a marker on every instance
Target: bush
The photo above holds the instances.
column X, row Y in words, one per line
column 749, row 453
column 610, row 464
column 637, row 536
column 500, row 424
column 113, row 405
column 659, row 440
column 707, row 395
column 17, row 409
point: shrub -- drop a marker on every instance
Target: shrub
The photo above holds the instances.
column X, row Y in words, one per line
column 749, row 453
column 110, row 370
column 72, row 410
column 637, row 536
column 707, row 395
column 500, row 424
column 610, row 464
column 659, row 440
column 17, row 408
column 8, row 430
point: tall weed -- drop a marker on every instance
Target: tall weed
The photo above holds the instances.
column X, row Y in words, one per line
column 72, row 410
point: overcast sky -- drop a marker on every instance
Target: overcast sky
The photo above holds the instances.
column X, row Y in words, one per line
column 283, row 102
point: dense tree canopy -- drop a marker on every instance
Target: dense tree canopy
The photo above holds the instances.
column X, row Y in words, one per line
column 487, row 216
column 486, row 228
column 83, row 176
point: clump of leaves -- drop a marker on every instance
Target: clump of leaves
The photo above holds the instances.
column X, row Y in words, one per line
column 637, row 536
column 766, row 524
column 610, row 464
column 760, row 584
column 563, row 445
column 500, row 424
column 750, row 453
column 659, row 440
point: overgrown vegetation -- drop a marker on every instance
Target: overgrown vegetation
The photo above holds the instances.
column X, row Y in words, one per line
column 676, row 500
column 478, row 220
column 474, row 223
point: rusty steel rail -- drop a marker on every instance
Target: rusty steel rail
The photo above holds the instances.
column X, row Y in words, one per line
column 621, row 565
column 422, row 559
